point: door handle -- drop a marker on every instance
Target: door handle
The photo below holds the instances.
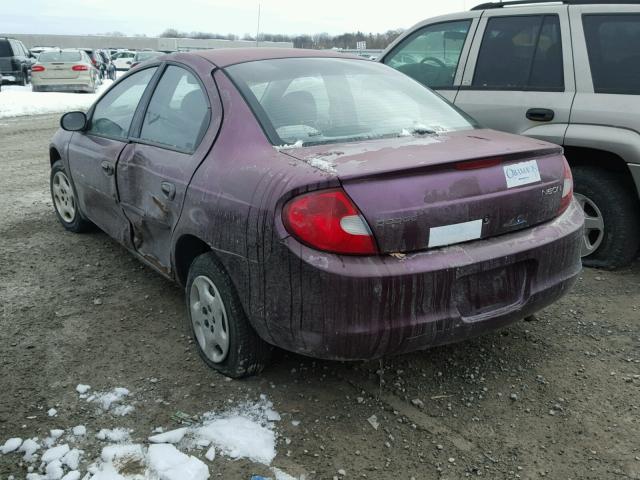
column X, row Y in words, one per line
column 168, row 189
column 540, row 114
column 107, row 168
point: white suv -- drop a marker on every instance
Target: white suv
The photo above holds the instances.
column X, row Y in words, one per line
column 562, row 71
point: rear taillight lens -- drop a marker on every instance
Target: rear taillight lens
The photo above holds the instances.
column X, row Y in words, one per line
column 37, row 68
column 79, row 68
column 567, row 188
column 328, row 220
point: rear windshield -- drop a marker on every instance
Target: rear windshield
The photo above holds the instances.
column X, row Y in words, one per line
column 327, row 100
column 5, row 49
column 59, row 57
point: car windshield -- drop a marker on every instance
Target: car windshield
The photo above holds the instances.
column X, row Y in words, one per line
column 328, row 100
column 59, row 57
column 142, row 56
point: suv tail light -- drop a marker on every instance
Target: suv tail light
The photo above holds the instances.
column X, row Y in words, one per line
column 567, row 188
column 79, row 68
column 37, row 68
column 328, row 220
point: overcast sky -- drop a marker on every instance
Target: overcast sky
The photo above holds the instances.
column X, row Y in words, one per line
column 151, row 17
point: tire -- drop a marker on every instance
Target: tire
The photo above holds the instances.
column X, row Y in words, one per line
column 246, row 353
column 34, row 88
column 70, row 218
column 607, row 194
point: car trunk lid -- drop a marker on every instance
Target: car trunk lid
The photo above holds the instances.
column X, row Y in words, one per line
column 59, row 70
column 422, row 192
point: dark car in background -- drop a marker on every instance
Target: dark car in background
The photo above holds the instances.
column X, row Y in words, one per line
column 143, row 56
column 97, row 61
column 109, row 69
column 338, row 208
column 15, row 61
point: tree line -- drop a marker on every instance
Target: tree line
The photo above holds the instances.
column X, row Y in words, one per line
column 318, row 40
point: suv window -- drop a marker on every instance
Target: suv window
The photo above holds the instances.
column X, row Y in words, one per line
column 613, row 44
column 178, row 112
column 5, row 48
column 113, row 114
column 431, row 54
column 521, row 53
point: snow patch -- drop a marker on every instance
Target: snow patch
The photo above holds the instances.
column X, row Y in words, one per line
column 172, row 436
column 81, row 388
column 112, row 400
column 289, row 146
column 11, row 445
column 114, row 434
column 16, row 101
column 169, row 463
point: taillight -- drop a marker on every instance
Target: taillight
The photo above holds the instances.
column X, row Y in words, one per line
column 567, row 188
column 37, row 68
column 328, row 220
column 79, row 68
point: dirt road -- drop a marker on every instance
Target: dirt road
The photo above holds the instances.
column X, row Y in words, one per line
column 557, row 397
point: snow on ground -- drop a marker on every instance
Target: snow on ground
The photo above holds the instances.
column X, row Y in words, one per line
column 17, row 100
column 244, row 431
column 110, row 401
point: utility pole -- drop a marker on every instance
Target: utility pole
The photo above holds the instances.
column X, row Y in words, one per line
column 258, row 29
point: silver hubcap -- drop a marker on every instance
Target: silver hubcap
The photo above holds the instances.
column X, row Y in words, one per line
column 593, row 225
column 209, row 319
column 63, row 197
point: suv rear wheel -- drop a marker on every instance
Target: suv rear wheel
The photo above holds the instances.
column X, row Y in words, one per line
column 612, row 222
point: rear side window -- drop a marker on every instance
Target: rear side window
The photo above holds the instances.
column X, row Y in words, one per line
column 114, row 112
column 521, row 53
column 613, row 44
column 431, row 54
column 5, row 49
column 178, row 113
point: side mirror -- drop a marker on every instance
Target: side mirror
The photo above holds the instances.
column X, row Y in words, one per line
column 128, row 63
column 74, row 121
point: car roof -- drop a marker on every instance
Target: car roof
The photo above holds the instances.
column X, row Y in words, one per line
column 223, row 57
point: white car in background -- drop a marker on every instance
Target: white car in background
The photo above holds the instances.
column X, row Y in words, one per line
column 122, row 60
column 63, row 71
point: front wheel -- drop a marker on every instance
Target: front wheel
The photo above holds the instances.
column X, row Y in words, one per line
column 65, row 202
column 612, row 223
column 222, row 333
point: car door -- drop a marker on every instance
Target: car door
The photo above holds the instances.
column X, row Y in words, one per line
column 153, row 176
column 434, row 53
column 94, row 153
column 519, row 77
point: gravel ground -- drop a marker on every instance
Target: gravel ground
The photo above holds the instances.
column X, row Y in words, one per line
column 556, row 397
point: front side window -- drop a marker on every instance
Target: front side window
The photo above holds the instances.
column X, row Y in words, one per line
column 521, row 53
column 178, row 113
column 328, row 100
column 431, row 54
column 613, row 44
column 113, row 114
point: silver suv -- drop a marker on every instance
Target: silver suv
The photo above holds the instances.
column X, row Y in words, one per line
column 567, row 72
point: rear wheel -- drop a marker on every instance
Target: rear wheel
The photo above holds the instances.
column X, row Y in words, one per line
column 64, row 201
column 24, row 79
column 222, row 333
column 612, row 223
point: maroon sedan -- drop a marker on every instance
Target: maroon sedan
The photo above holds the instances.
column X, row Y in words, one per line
column 324, row 204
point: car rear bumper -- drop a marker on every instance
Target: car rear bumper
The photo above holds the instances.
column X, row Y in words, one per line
column 349, row 308
column 62, row 85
